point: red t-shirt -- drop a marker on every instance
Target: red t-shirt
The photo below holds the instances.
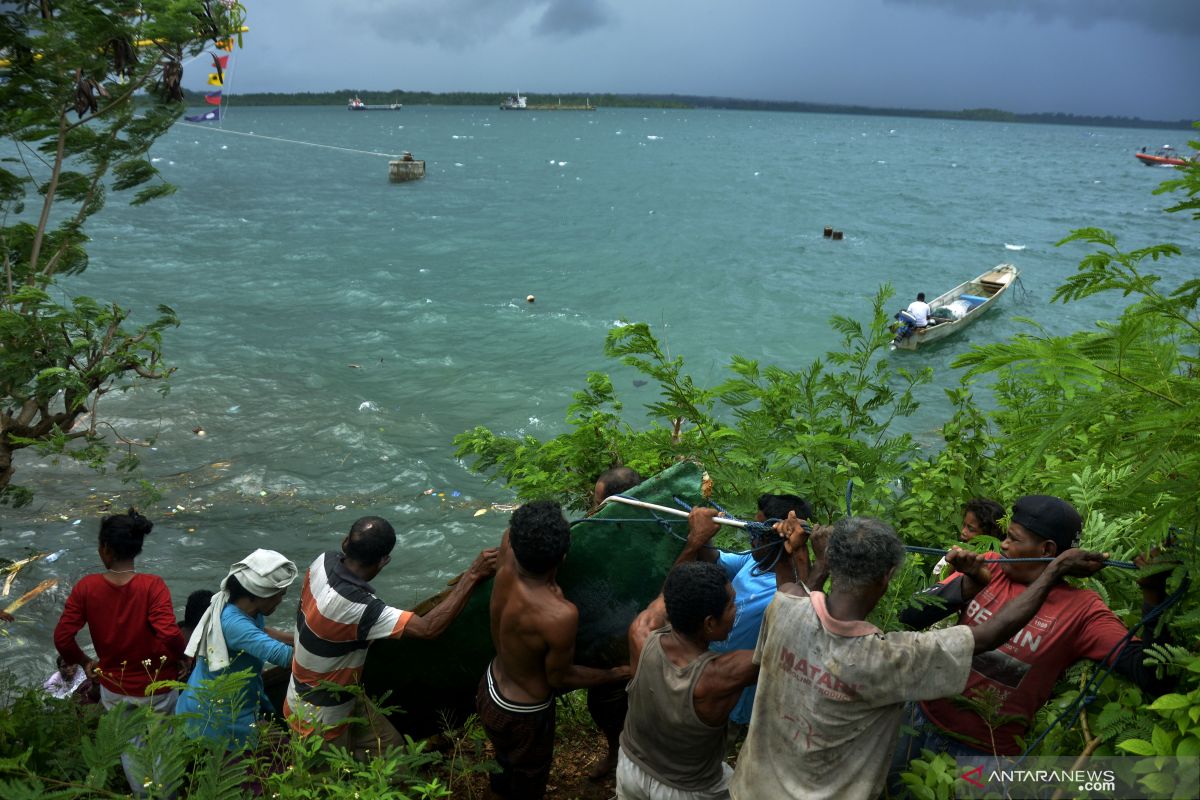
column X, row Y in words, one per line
column 1071, row 624
column 133, row 629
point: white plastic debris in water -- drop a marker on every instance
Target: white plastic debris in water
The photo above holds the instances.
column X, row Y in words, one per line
column 367, row 405
column 55, row 556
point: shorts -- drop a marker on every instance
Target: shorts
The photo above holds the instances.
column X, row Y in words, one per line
column 523, row 736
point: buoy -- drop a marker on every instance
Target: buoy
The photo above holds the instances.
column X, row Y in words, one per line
column 530, row 299
column 828, row 231
column 837, row 236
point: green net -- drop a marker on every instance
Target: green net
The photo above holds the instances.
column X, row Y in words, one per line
column 613, row 571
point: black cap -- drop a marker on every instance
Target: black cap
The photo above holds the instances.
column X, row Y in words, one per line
column 1049, row 517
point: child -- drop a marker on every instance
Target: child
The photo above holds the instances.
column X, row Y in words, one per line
column 65, row 680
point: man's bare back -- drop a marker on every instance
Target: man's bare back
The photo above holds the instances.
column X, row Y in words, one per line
column 533, row 630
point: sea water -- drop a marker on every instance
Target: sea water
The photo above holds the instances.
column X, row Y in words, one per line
column 338, row 331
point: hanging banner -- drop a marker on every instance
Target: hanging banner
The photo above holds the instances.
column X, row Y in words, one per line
column 214, row 79
column 207, row 116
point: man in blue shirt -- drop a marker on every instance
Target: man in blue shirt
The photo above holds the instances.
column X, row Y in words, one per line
column 752, row 575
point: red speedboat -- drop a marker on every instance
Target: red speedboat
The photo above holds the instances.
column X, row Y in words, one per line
column 1165, row 157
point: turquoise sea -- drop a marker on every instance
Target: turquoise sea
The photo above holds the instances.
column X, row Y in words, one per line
column 339, row 330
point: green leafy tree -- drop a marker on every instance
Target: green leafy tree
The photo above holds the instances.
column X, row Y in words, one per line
column 87, row 88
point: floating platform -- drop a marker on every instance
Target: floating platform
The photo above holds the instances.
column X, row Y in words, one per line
column 406, row 169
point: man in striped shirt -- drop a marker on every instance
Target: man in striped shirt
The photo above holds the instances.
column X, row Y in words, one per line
column 339, row 616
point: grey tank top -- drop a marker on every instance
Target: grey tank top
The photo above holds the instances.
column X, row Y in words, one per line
column 662, row 733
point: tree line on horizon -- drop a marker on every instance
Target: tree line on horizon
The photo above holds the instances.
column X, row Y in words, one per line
column 679, row 101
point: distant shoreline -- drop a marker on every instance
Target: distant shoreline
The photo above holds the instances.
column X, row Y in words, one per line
column 679, row 101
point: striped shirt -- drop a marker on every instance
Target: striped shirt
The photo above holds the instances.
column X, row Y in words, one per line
column 339, row 616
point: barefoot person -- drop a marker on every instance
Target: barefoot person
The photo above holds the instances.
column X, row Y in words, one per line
column 533, row 631
column 339, row 617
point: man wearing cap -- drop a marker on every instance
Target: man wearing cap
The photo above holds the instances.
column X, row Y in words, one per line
column 1071, row 624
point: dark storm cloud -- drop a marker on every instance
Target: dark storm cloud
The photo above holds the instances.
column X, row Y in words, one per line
column 459, row 23
column 572, row 17
column 1180, row 17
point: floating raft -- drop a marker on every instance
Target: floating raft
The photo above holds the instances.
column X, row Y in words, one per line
column 612, row 572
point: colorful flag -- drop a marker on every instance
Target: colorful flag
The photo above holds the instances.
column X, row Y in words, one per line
column 222, row 61
column 213, row 98
column 208, row 116
column 214, row 79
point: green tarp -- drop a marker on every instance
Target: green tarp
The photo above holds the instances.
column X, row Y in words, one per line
column 613, row 571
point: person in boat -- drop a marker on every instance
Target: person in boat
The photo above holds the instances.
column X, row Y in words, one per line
column 339, row 617
column 231, row 636
column 683, row 690
column 752, row 576
column 1073, row 624
column 832, row 686
column 608, row 704
column 919, row 310
column 533, row 630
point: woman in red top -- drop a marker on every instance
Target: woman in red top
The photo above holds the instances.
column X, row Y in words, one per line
column 130, row 618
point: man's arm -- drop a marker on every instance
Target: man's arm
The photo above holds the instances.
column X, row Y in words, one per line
column 701, row 530
column 1012, row 617
column 1130, row 662
column 650, row 620
column 721, row 684
column 434, row 623
column 955, row 593
column 794, row 565
column 561, row 673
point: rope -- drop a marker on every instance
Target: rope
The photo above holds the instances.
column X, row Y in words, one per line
column 289, row 141
column 936, row 551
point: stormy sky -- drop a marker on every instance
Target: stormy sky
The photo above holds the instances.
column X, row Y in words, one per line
column 1103, row 57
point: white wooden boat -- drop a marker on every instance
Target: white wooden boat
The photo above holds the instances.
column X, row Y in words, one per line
column 959, row 307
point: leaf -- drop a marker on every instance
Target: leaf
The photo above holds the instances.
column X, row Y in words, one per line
column 1139, row 747
column 1170, row 702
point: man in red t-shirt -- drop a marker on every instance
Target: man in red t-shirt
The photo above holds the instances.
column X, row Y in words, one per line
column 1072, row 624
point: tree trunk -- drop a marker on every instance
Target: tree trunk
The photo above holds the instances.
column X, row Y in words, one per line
column 6, row 467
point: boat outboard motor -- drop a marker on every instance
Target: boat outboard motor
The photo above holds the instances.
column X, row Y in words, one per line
column 907, row 325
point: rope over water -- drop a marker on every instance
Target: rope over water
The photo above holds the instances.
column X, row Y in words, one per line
column 289, row 141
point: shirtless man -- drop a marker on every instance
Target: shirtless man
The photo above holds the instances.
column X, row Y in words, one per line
column 533, row 631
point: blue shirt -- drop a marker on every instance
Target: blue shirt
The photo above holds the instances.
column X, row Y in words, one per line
column 753, row 593
column 249, row 647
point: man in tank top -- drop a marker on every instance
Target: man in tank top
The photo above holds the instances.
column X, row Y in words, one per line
column 752, row 576
column 673, row 744
column 533, row 631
